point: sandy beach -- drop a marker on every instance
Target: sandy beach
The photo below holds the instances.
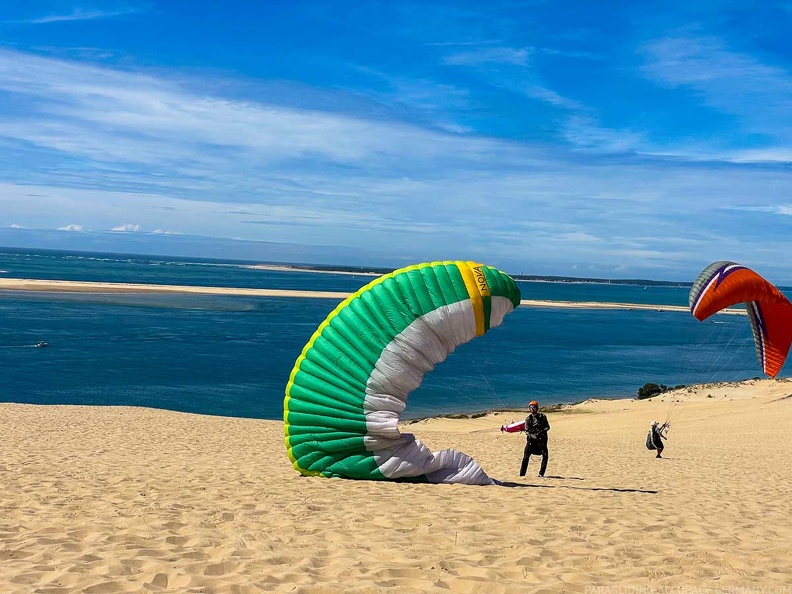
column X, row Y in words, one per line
column 107, row 499
column 55, row 286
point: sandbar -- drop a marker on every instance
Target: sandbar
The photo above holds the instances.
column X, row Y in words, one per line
column 55, row 286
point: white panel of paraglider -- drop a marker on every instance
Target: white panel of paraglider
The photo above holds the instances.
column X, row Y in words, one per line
column 500, row 306
column 400, row 370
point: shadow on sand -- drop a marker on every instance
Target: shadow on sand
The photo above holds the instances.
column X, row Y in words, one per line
column 613, row 489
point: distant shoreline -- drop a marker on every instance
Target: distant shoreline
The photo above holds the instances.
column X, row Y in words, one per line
column 286, row 268
column 61, row 286
column 524, row 278
column 344, row 269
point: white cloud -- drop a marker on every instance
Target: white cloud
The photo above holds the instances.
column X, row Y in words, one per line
column 128, row 228
column 80, row 15
column 584, row 132
column 759, row 95
column 779, row 209
column 756, row 97
column 509, row 68
column 580, row 237
column 769, row 155
column 490, row 55
column 15, row 226
column 71, row 228
column 108, row 116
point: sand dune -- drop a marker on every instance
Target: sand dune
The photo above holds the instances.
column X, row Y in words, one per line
column 107, row 499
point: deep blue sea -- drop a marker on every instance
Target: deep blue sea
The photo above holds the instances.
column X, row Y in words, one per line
column 228, row 355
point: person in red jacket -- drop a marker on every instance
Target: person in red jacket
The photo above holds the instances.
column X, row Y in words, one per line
column 536, row 427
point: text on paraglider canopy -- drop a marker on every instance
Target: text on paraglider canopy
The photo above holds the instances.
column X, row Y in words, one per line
column 481, row 280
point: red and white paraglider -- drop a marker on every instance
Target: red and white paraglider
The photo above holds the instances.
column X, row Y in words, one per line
column 723, row 284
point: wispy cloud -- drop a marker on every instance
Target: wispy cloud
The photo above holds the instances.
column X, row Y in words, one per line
column 757, row 95
column 80, row 14
column 78, row 228
column 475, row 43
column 585, row 132
column 778, row 209
column 108, row 115
column 490, row 55
column 752, row 99
column 510, row 69
column 428, row 100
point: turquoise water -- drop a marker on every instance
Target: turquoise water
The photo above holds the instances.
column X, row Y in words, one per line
column 228, row 355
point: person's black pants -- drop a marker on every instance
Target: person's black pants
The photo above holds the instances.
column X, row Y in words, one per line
column 533, row 447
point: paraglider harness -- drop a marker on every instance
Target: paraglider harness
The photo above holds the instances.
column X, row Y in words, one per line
column 650, row 437
column 536, row 432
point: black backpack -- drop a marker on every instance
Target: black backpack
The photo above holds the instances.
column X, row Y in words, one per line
column 649, row 441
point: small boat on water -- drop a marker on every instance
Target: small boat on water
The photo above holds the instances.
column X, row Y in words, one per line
column 40, row 345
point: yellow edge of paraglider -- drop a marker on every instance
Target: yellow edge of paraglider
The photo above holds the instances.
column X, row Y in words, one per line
column 477, row 288
column 318, row 333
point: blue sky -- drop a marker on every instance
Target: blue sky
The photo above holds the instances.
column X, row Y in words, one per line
column 617, row 139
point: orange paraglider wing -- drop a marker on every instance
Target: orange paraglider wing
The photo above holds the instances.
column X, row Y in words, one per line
column 723, row 284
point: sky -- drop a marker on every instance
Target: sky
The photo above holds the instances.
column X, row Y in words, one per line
column 609, row 139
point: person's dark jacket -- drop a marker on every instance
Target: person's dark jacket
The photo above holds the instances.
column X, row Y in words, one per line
column 537, row 426
column 657, row 437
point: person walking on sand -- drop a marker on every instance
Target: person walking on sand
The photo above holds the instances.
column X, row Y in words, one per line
column 536, row 427
column 658, row 437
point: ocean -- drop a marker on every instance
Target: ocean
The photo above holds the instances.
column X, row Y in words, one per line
column 231, row 356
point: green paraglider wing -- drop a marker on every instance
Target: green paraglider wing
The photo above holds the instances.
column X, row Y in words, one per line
column 351, row 382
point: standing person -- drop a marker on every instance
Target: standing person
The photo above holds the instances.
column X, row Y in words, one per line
column 536, row 427
column 658, row 437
